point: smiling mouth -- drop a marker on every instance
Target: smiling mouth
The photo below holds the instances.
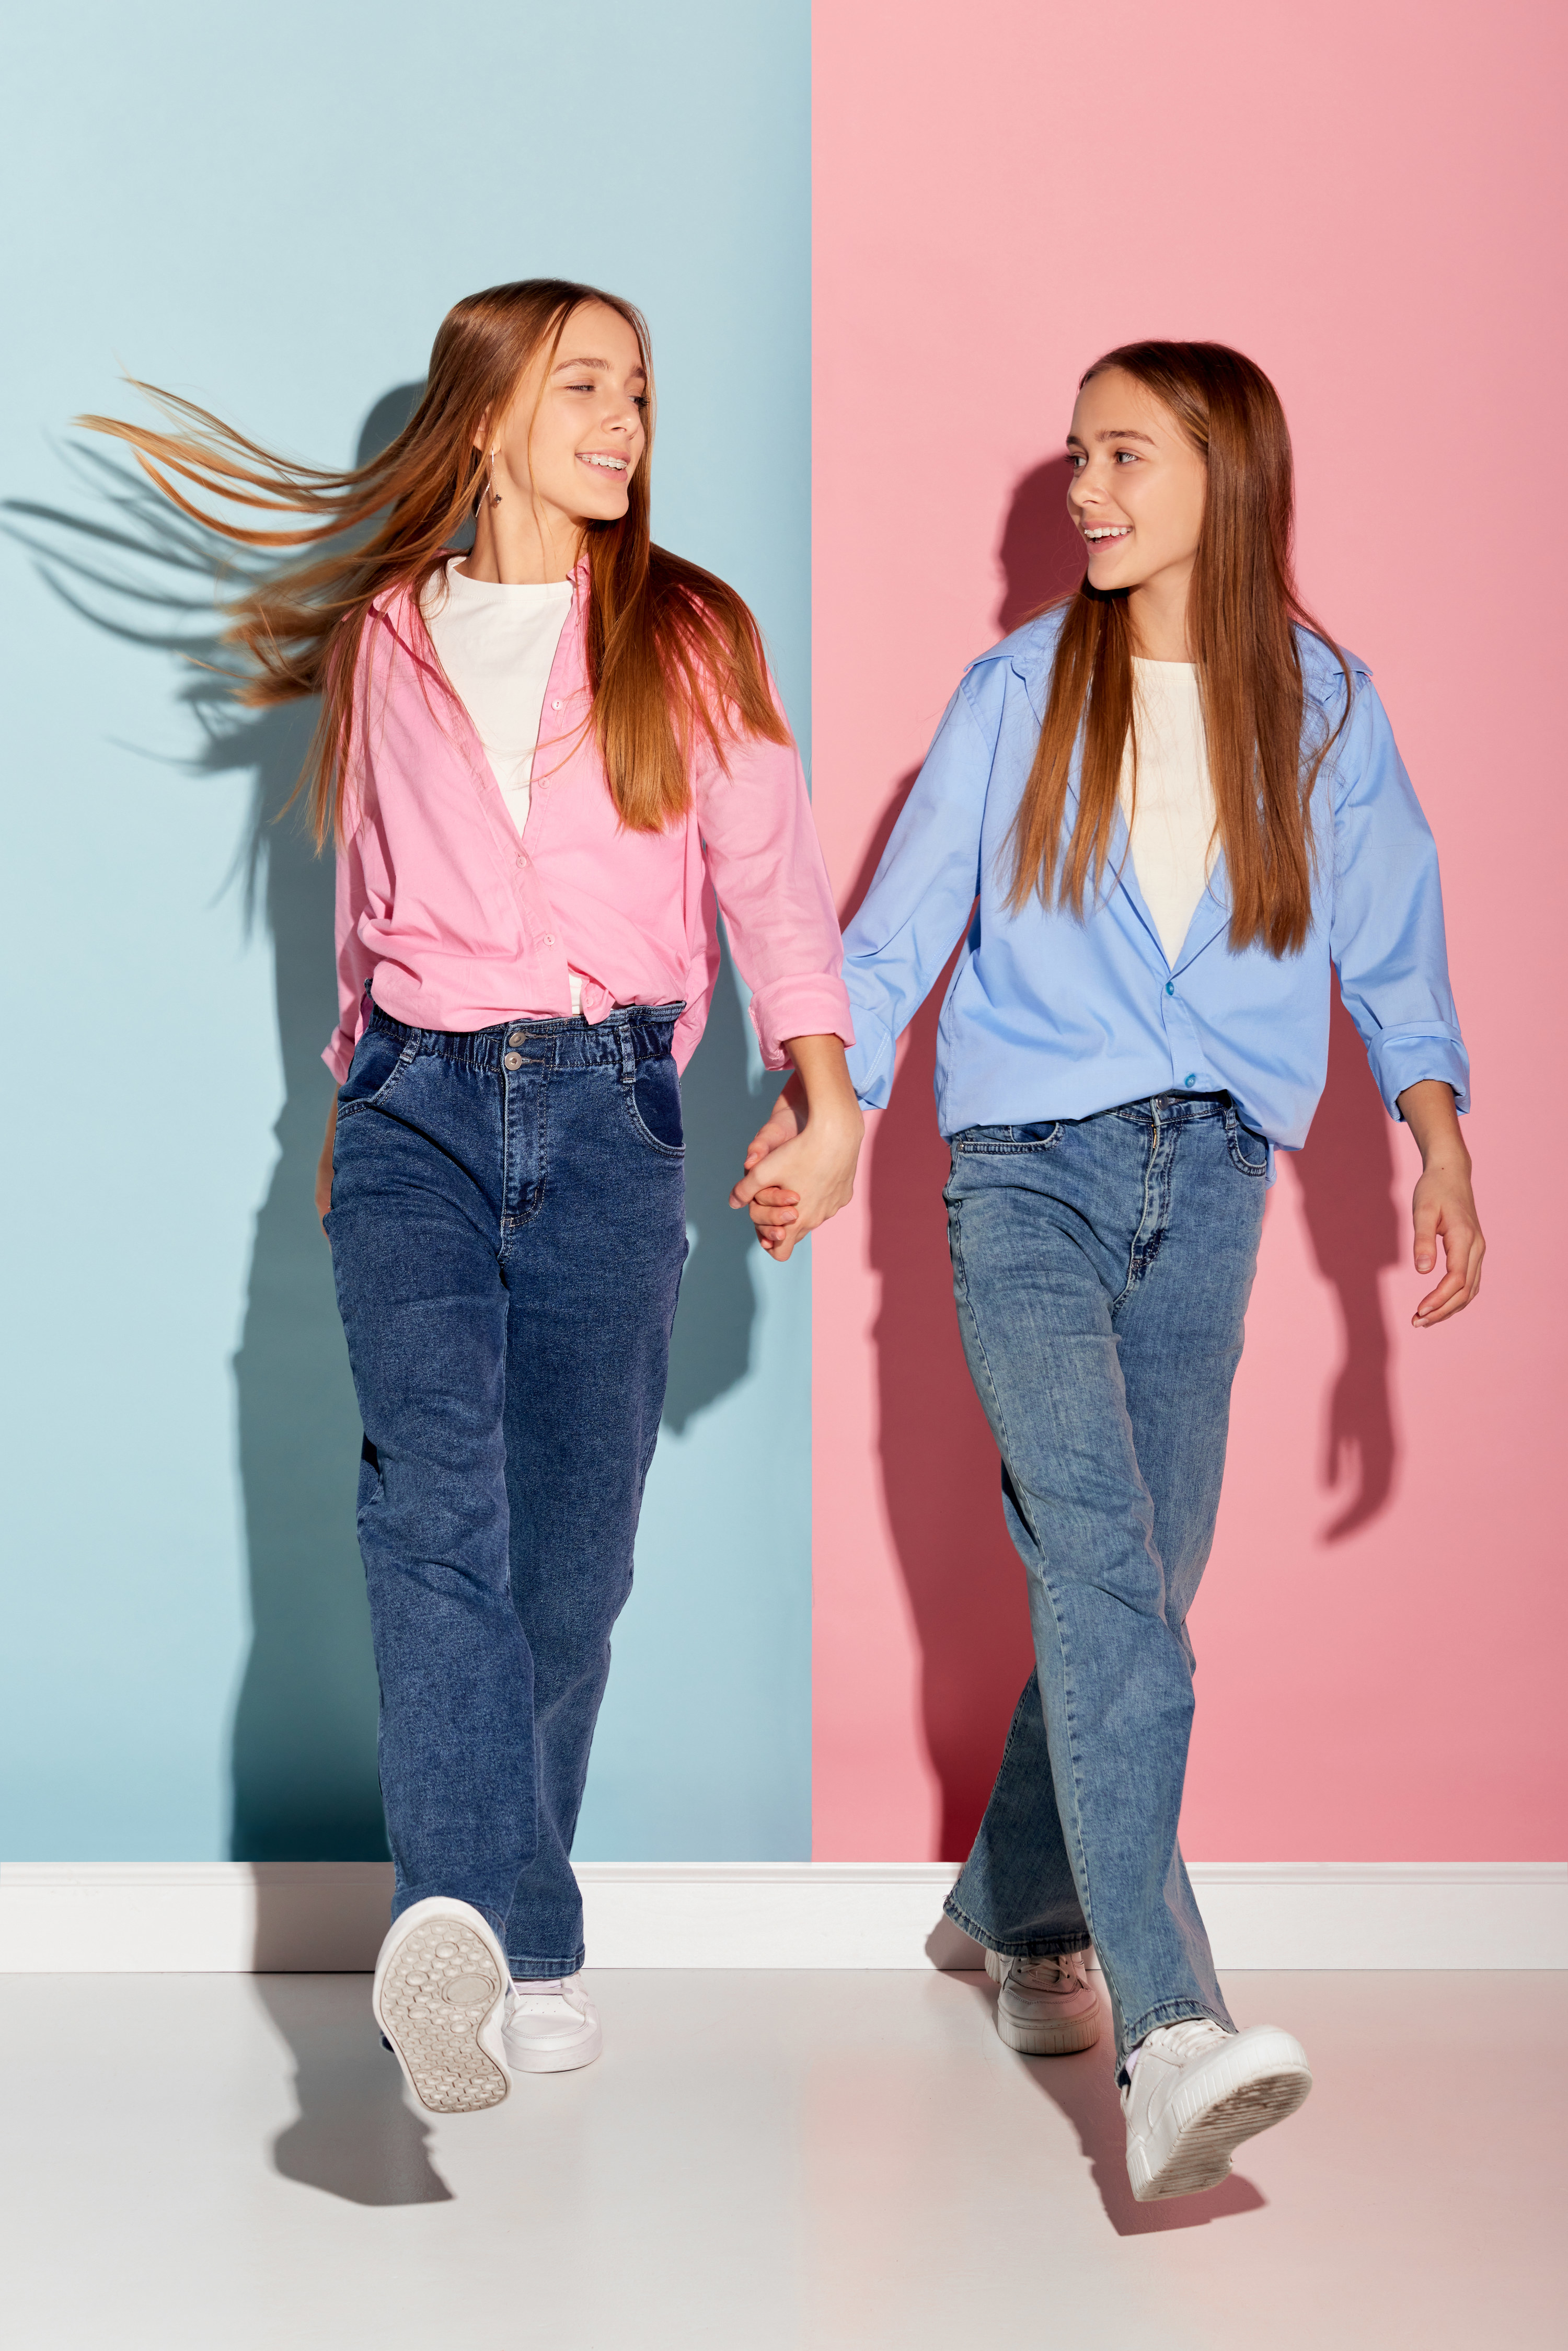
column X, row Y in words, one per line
column 606, row 464
column 1098, row 535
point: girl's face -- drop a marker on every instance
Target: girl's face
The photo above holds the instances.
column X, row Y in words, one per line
column 571, row 441
column 1138, row 486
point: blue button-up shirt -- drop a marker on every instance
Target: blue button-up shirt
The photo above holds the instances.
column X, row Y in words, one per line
column 1049, row 1016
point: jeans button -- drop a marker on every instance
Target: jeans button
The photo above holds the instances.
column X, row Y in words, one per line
column 516, row 1038
column 511, row 1061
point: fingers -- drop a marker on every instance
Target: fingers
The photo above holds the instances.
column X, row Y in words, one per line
column 1425, row 1223
column 1464, row 1250
column 775, row 1210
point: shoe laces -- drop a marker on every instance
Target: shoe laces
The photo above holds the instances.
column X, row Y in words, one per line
column 1194, row 2036
column 1059, row 1971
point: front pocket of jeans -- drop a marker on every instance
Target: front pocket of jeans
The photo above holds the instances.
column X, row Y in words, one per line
column 1234, row 1136
column 659, row 1085
column 1008, row 1141
column 364, row 1073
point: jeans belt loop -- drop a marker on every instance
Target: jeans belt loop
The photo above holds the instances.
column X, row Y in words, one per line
column 628, row 1052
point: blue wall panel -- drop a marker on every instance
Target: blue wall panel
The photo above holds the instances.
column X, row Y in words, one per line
column 269, row 213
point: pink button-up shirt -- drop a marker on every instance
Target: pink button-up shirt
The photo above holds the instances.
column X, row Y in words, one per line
column 454, row 921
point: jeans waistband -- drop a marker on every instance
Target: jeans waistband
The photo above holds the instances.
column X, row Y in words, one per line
column 1176, row 1104
column 644, row 1030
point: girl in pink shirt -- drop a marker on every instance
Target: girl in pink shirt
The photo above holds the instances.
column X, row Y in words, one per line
column 539, row 762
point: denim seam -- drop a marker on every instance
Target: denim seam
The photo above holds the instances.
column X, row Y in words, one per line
column 513, row 1220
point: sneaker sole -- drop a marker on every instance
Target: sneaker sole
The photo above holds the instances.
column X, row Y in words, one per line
column 1061, row 2039
column 436, row 2038
column 564, row 2060
column 1238, row 2098
column 1065, row 2038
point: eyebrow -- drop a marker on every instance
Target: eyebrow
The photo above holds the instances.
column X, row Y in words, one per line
column 563, row 364
column 1115, row 432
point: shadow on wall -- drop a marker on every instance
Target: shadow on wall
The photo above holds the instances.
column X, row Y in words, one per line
column 939, row 1467
column 304, row 1761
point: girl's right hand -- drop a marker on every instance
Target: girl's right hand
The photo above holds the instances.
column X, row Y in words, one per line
column 324, row 1166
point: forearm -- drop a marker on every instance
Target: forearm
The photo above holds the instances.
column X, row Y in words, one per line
column 820, row 1085
column 1428, row 1111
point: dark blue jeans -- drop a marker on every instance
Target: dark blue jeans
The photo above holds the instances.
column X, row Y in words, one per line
column 1102, row 1267
column 507, row 1230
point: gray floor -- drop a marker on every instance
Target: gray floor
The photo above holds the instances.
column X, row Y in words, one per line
column 767, row 2162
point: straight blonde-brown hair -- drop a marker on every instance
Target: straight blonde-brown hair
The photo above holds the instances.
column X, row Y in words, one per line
column 674, row 656
column 1242, row 613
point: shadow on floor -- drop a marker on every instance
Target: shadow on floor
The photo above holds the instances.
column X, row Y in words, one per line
column 1083, row 2088
column 356, row 2136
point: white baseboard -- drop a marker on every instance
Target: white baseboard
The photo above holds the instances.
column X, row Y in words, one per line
column 329, row 1916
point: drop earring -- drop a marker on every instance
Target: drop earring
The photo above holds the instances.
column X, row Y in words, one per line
column 494, row 493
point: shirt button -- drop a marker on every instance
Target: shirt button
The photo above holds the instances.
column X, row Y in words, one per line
column 1190, row 1078
column 1170, row 987
column 556, row 704
column 549, row 939
column 511, row 1061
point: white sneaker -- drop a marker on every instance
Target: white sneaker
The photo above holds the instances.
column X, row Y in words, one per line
column 551, row 2027
column 440, row 1987
column 1045, row 2008
column 1197, row 2093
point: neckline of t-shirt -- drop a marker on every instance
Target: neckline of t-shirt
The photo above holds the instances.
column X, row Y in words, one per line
column 1188, row 669
column 544, row 591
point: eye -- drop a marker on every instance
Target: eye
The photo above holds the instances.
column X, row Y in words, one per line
column 1077, row 460
column 1126, row 456
column 639, row 400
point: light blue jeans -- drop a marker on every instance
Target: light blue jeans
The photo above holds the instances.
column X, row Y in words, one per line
column 1102, row 1267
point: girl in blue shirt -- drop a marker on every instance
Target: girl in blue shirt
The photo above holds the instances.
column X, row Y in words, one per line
column 1163, row 810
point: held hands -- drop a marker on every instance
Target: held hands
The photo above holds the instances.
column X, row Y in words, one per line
column 801, row 1165
column 1444, row 1206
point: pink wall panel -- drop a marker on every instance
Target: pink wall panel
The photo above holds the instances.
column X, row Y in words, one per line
column 1368, row 200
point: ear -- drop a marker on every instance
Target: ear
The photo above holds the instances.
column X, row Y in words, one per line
column 482, row 433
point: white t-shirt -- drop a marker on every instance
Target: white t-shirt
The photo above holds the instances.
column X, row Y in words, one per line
column 498, row 643
column 1172, row 836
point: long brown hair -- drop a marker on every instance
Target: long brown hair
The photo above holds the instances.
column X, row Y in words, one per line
column 674, row 657
column 1242, row 608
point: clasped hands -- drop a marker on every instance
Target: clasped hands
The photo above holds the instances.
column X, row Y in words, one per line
column 801, row 1164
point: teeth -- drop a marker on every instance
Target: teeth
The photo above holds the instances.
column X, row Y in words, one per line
column 612, row 465
column 1121, row 532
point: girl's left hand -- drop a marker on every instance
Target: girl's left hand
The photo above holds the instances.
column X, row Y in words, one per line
column 1443, row 1207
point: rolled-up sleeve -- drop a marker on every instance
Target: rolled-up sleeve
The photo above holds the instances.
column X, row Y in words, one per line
column 1386, row 936
column 771, row 882
column 922, row 892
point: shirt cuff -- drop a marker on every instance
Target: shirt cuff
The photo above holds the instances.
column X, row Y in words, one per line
column 1399, row 1059
column 816, row 1005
